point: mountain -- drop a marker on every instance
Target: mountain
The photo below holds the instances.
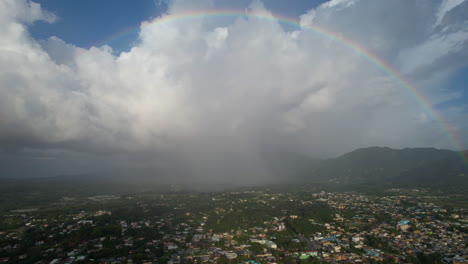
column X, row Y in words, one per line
column 382, row 165
column 375, row 165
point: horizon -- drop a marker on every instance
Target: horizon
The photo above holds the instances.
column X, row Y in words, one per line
column 138, row 178
column 221, row 131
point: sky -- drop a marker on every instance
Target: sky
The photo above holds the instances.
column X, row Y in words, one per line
column 89, row 87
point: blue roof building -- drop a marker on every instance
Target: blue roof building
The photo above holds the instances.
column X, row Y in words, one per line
column 404, row 222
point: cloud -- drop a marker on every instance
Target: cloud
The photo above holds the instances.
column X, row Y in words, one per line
column 445, row 7
column 208, row 97
column 444, row 48
column 25, row 12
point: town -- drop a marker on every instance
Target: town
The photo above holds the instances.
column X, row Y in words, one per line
column 245, row 226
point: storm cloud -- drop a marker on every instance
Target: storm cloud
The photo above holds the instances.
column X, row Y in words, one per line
column 206, row 98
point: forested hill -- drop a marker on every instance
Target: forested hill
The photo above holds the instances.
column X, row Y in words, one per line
column 381, row 165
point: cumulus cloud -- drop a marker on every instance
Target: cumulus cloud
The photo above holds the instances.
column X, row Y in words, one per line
column 209, row 96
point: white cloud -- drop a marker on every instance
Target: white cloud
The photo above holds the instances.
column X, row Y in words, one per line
column 212, row 94
column 434, row 49
column 445, row 7
column 24, row 12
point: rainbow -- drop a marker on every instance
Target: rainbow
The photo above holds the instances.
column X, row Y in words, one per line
column 360, row 50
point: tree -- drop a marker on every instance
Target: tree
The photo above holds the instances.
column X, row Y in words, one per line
column 222, row 260
column 257, row 248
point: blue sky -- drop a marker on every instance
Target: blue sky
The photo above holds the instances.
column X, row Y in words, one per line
column 459, row 82
column 86, row 23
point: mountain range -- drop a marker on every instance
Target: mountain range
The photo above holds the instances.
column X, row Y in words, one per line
column 374, row 165
column 382, row 165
